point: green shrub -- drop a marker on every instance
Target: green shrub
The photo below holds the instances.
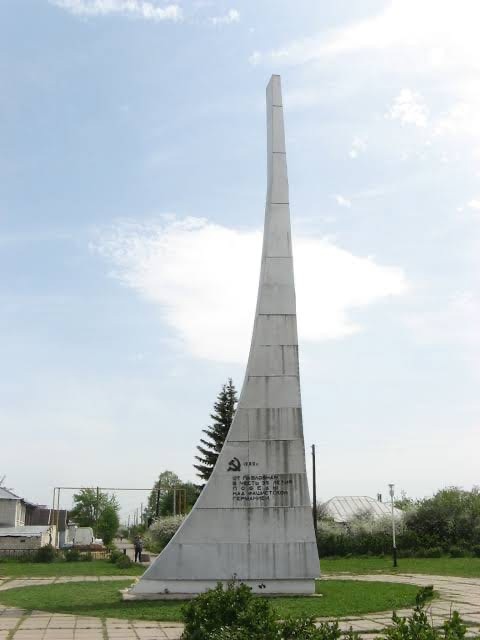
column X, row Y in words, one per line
column 123, row 562
column 161, row 532
column 457, row 552
column 115, row 554
column 45, row 554
column 418, row 627
column 433, row 552
column 424, row 595
column 86, row 557
column 231, row 610
column 72, row 555
column 234, row 613
column 292, row 629
column 450, row 519
column 476, row 550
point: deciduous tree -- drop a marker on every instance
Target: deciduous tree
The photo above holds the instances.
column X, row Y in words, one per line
column 90, row 505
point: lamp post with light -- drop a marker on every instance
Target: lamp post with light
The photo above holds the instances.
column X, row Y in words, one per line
column 392, row 495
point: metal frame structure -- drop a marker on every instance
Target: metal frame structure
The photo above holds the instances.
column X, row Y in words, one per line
column 54, row 517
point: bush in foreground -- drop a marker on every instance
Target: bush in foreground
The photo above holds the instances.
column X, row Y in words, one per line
column 234, row 613
column 234, row 610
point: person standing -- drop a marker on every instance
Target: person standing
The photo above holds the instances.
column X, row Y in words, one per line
column 138, row 544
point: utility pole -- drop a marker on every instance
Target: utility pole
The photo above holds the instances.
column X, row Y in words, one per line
column 314, row 490
column 157, row 506
column 96, row 512
column 392, row 494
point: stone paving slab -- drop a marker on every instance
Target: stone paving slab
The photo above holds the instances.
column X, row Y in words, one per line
column 461, row 594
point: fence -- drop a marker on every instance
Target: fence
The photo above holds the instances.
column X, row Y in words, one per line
column 28, row 554
column 17, row 553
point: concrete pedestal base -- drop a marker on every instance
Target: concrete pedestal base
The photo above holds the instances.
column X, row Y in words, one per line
column 186, row 589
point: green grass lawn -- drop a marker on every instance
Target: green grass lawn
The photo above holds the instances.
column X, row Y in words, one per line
column 102, row 599
column 11, row 568
column 463, row 567
column 466, row 567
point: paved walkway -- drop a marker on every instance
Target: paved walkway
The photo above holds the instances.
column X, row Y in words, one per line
column 127, row 547
column 461, row 594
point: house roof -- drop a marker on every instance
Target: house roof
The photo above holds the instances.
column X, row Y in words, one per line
column 23, row 532
column 6, row 494
column 344, row 508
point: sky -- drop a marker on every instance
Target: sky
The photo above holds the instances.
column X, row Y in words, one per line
column 132, row 191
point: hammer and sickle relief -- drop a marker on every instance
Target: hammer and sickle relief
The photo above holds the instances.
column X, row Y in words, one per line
column 234, row 465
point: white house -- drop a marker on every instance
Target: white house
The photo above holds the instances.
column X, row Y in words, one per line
column 13, row 509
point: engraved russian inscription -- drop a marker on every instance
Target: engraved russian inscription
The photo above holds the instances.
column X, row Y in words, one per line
column 262, row 486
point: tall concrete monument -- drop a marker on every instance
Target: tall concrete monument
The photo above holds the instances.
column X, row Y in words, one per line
column 253, row 520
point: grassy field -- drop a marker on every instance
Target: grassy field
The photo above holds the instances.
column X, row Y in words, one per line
column 102, row 599
column 466, row 567
column 463, row 567
column 11, row 568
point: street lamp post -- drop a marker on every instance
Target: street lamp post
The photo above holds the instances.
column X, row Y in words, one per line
column 314, row 491
column 392, row 494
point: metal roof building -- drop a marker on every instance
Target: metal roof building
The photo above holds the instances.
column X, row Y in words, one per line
column 25, row 532
column 6, row 494
column 21, row 540
column 344, row 508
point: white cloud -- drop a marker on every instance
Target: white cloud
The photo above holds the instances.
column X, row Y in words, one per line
column 358, row 146
column 446, row 32
column 255, row 58
column 437, row 39
column 474, row 204
column 204, row 277
column 410, row 108
column 461, row 118
column 231, row 16
column 342, row 201
column 135, row 8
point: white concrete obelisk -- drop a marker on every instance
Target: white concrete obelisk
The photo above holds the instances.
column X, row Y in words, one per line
column 253, row 520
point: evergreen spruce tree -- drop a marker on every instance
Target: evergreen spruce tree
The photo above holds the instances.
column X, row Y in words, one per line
column 224, row 410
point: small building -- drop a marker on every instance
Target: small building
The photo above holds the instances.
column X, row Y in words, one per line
column 13, row 509
column 27, row 538
column 43, row 515
column 343, row 509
